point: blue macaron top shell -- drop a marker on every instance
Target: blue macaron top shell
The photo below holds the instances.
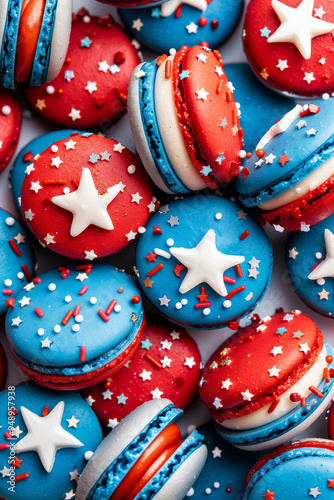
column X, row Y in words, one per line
column 15, row 252
column 255, row 101
column 300, row 150
column 9, row 42
column 302, row 472
column 162, row 33
column 304, row 251
column 77, row 420
column 183, row 224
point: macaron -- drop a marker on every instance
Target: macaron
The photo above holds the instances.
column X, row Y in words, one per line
column 308, row 259
column 288, row 45
column 34, row 36
column 174, row 24
column 17, row 260
column 290, row 173
column 47, row 438
column 91, row 88
column 25, row 158
column 304, row 468
column 225, row 470
column 86, row 196
column 255, row 100
column 203, row 262
column 3, row 367
column 144, row 457
column 184, row 120
column 167, row 364
column 269, row 381
column 10, row 125
column 131, row 3
column 50, row 327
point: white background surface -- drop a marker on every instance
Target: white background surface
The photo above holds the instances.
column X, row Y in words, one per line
column 279, row 293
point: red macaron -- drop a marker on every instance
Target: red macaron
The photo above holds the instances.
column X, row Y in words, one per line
column 10, row 126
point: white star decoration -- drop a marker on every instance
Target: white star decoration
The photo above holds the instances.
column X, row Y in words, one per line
column 91, row 87
column 55, row 162
column 107, row 394
column 156, row 394
column 91, row 255
column 282, row 65
column 75, row 114
column 35, row 186
column 45, row 435
column 145, row 375
column 168, row 8
column 274, row 372
column 309, row 77
column 276, row 350
column 304, row 348
column 216, row 452
column 326, row 267
column 190, row 362
column 298, row 26
column 112, row 423
column 87, row 205
column 70, row 144
column 192, row 28
column 137, row 24
column 217, row 403
column 314, row 492
column 247, row 396
column 103, row 66
column 166, row 362
column 226, row 384
column 206, row 264
column 72, row 422
column 201, row 94
column 293, row 253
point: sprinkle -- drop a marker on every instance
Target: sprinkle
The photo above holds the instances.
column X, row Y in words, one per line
column 67, row 317
column 39, row 312
column 303, row 402
column 156, row 230
column 4, row 446
column 238, row 269
column 135, row 299
column 103, row 315
column 244, row 235
column 83, row 290
column 161, row 60
column 316, row 391
column 8, row 435
column 111, row 306
column 273, row 405
column 331, row 373
column 162, row 253
column 76, row 310
column 153, row 361
column 234, row 291
column 295, row 397
column 219, row 86
column 45, row 411
column 83, row 353
column 326, row 375
column 229, row 96
column 84, row 267
column 26, row 272
column 229, row 280
column 65, row 273
column 21, row 476
column 37, row 280
column 201, row 305
column 15, row 248
column 155, row 270
column 54, row 182
column 329, row 359
column 168, row 69
column 7, row 291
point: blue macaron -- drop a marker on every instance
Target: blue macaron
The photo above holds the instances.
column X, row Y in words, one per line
column 17, row 260
column 47, row 438
column 186, row 249
column 174, row 24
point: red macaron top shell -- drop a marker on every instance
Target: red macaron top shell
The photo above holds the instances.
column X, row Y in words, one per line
column 207, row 111
column 10, row 126
column 265, row 359
column 165, row 365
column 91, row 89
column 71, row 168
column 281, row 64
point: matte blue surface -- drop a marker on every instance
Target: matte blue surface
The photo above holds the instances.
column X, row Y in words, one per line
column 162, row 33
column 307, row 244
column 104, row 341
column 9, row 42
column 306, row 154
column 260, row 107
column 196, row 216
column 41, row 485
column 10, row 263
column 36, row 146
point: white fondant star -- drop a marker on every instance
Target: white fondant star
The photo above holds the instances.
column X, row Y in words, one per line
column 145, row 375
column 107, row 394
column 29, row 215
column 220, row 72
column 72, row 422
column 156, row 394
column 137, row 24
column 226, row 384
column 5, row 472
column 29, row 169
column 217, row 403
column 131, row 235
column 87, row 205
column 74, row 475
column 276, row 350
column 168, row 8
column 90, row 400
column 164, row 301
column 300, row 124
column 70, row 144
column 192, row 28
column 201, row 57
column 55, row 162
column 247, row 396
column 254, row 262
column 46, row 343
column 202, row 94
column 121, row 400
column 19, row 238
column 16, row 321
column 16, row 431
column 293, row 253
column 46, row 435
column 166, row 362
column 274, row 372
column 175, row 335
column 137, row 75
column 241, row 214
column 103, row 66
column 190, row 362
column 81, row 277
column 91, row 255
column 165, row 344
column 35, row 186
column 253, row 272
column 304, row 348
column 135, row 198
column 69, row 495
column 319, row 12
column 310, row 132
column 112, row 422
column 105, row 156
column 298, row 26
column 326, row 268
column 151, row 207
column 309, row 77
column 282, row 65
column 314, row 492
column 25, row 301
column 216, row 452
column 206, row 264
column 91, row 87
column 49, row 239
column 75, row 114
column 270, row 158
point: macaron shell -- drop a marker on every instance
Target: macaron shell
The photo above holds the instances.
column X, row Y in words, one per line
column 264, row 56
column 9, row 41
column 10, row 126
column 3, row 17
column 107, row 164
column 71, row 104
column 219, row 144
column 60, row 39
column 166, row 363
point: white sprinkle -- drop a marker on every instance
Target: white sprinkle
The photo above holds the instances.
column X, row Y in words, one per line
column 40, row 332
column 88, row 455
column 54, row 148
column 325, row 96
column 8, row 282
column 305, row 107
column 184, row 302
column 208, row 491
column 178, row 305
column 86, row 19
column 242, row 154
column 172, row 52
column 93, row 300
column 6, row 110
column 57, row 328
column 162, row 253
column 141, row 230
column 218, row 216
column 206, row 311
column 216, row 485
column 227, row 303
column 170, row 242
column 117, row 308
column 66, row 190
column 131, row 169
column 52, row 287
column 50, row 90
column 76, row 328
column 321, row 281
column 78, row 318
column 20, row 275
column 68, row 298
column 10, row 221
column 318, row 255
column 190, row 492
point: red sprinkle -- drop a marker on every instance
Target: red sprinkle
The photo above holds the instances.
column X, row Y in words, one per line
column 273, row 405
column 202, row 21
column 260, row 153
column 303, row 402
column 155, row 270
column 245, row 172
column 326, row 375
column 156, row 230
column 76, row 310
column 64, row 274
column 45, row 411
column 119, row 58
column 28, row 157
column 8, row 435
column 329, row 359
column 235, row 116
column 10, row 303
column 244, row 235
column 4, row 446
column 83, row 290
column 234, row 291
column 135, row 299
column 229, row 280
column 54, row 182
column 67, row 317
column 21, row 476
column 214, row 24
column 39, row 312
column 15, row 249
column 168, row 69
column 254, row 318
column 229, row 96
column 111, row 306
column 26, row 272
column 37, row 280
column 217, row 55
column 233, row 325
column 103, row 315
column 178, row 11
column 7, row 291
column 84, row 267
column 239, row 270
column 83, row 353
column 311, row 110
column 248, row 155
column 201, row 305
column 219, row 86
column 161, row 59
column 153, row 360
column 316, row 391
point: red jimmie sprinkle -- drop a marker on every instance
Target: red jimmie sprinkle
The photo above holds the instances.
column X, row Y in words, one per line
column 84, row 267
column 45, row 411
column 239, row 270
column 15, row 249
column 219, row 86
column 178, row 11
column 229, row 96
column 153, row 360
column 331, row 372
column 67, row 317
column 316, row 391
column 39, row 312
column 65, row 273
column 161, row 59
column 37, row 280
column 103, row 315
column 244, row 235
column 4, row 446
column 273, row 405
column 111, row 306
column 7, row 291
column 233, row 325
column 214, row 24
column 8, row 435
column 83, row 353
column 54, row 182
column 201, row 305
column 303, row 402
column 83, row 290
column 21, row 476
column 326, row 375
column 229, row 280
column 168, row 69
column 76, row 310
column 234, row 291
column 26, row 272
column 155, row 270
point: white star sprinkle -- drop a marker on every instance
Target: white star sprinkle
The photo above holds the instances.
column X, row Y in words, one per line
column 131, row 235
column 35, row 186
column 309, row 77
column 190, row 362
column 270, row 158
column 91, row 87
column 156, row 394
column 304, row 348
column 91, row 255
column 49, row 239
column 16, row 321
column 107, row 394
column 276, row 350
column 118, row 147
column 90, row 400
column 201, row 58
column 145, row 375
column 135, row 198
column 191, row 28
column 282, row 65
column 72, row 422
column 175, row 335
column 216, row 452
column 217, row 403
column 55, row 162
column 75, row 114
column 165, row 344
column 70, row 144
column 103, row 66
column 164, row 301
column 25, row 301
column 247, row 396
column 226, row 384
column 319, row 12
column 300, row 124
column 310, row 132
column 220, row 72
column 254, row 262
column 165, row 362
column 137, row 24
column 137, row 75
column 46, row 343
column 293, row 253
column 81, row 277
column 253, row 272
column 112, row 422
column 274, row 372
column 202, row 94
column 314, row 492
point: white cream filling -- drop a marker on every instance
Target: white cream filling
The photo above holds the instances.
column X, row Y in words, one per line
column 170, row 131
column 312, row 181
column 261, row 416
column 60, row 38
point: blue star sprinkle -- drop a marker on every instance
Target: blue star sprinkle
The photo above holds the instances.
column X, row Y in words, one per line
column 185, row 74
column 146, row 344
column 265, row 32
column 94, row 158
column 114, row 69
column 86, row 42
column 281, row 330
column 206, row 170
column 155, row 13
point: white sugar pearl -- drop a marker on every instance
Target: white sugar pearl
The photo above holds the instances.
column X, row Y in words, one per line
column 78, row 318
column 237, row 105
column 20, row 276
column 57, row 328
column 54, row 148
column 8, row 282
column 305, row 107
column 93, row 300
column 227, row 303
column 50, row 90
column 170, row 242
column 216, row 485
column 40, row 332
column 178, row 305
column 190, row 492
column 242, row 154
column 184, row 302
column 154, row 199
column 218, row 216
column 68, row 298
column 117, row 308
column 208, row 491
column 318, row 255
column 172, row 52
column 325, row 96
column 206, row 311
column 10, row 221
column 52, row 287
column 141, row 230
column 321, row 281
column 6, row 110
column 131, row 169
column 88, row 455
column 76, row 328
column 66, row 190
column 86, row 19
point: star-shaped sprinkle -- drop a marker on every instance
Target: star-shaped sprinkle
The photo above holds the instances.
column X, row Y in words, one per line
column 223, row 122
column 282, row 64
column 311, row 132
column 220, row 158
column 319, row 12
column 81, row 277
column 217, row 403
column 304, row 348
column 293, row 253
column 56, row 162
column 29, row 215
column 270, row 158
column 91, row 87
column 300, row 124
column 75, row 114
column 40, row 104
column 175, row 335
column 220, row 73
column 156, row 394
column 16, row 321
column 274, row 371
column 145, row 375
column 25, row 301
column 94, row 158
column 74, row 475
column 29, row 286
column 330, row 483
column 16, row 431
column 184, row 74
column 173, row 221
column 201, row 57
column 190, row 362
column 35, row 186
column 314, row 492
column 19, row 238
column 206, row 169
column 297, row 335
column 148, row 283
column 103, row 66
column 213, row 365
column 226, row 384
column 69, row 145
column 216, row 452
column 164, row 301
column 86, row 42
column 253, row 272
column 156, row 13
column 5, row 472
column 246, row 395
column 139, row 74
column 191, row 28
column 202, row 94
column 265, row 32
column 135, row 198
column 107, row 394
column 323, row 294
column 269, row 495
column 105, row 156
column 166, row 362
column 165, row 344
column 137, row 24
column 90, row 255
column 283, row 159
column 259, row 163
column 254, row 262
column 241, row 214
column 322, row 60
column 276, row 350
column 112, row 422
column 68, row 75
column 261, row 328
column 281, row 330
column 46, row 343
column 114, row 69
column 121, row 399
column 288, row 317
column 90, row 400
column 118, row 147
column 69, row 495
column 72, row 422
column 146, row 344
column 304, row 227
column 309, row 77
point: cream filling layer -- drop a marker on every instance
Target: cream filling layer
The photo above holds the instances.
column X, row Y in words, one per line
column 261, row 416
column 170, row 131
column 60, row 38
column 312, row 181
